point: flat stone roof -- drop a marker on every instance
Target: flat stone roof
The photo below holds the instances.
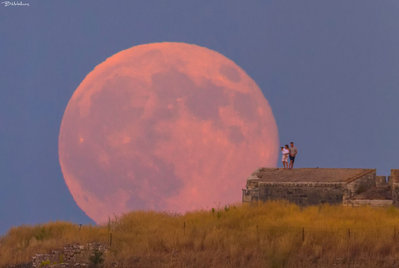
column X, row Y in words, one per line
column 308, row 174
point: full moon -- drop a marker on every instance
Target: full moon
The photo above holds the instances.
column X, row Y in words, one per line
column 166, row 126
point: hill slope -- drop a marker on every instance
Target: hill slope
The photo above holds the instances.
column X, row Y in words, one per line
column 273, row 234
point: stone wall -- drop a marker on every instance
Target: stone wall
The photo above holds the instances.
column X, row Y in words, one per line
column 251, row 193
column 75, row 255
column 395, row 186
column 309, row 192
column 302, row 193
column 360, row 184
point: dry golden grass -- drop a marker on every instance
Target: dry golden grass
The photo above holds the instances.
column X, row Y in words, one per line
column 274, row 234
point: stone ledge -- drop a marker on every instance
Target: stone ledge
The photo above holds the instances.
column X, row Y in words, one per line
column 303, row 184
column 368, row 202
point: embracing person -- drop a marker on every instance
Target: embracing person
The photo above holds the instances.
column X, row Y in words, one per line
column 285, row 151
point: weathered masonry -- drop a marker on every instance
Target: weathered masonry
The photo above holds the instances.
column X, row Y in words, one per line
column 313, row 186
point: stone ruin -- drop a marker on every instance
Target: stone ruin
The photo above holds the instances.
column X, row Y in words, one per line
column 314, row 186
column 74, row 255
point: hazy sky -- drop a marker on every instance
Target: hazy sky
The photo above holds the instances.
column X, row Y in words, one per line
column 329, row 69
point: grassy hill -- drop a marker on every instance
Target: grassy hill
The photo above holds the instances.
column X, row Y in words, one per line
column 275, row 234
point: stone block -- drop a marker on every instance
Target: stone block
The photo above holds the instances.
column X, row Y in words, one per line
column 250, row 195
column 395, row 175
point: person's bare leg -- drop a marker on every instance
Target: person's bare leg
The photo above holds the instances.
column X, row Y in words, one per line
column 291, row 164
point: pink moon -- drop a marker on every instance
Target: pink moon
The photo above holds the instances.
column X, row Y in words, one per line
column 169, row 127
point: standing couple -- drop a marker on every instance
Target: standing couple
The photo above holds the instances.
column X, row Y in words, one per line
column 289, row 152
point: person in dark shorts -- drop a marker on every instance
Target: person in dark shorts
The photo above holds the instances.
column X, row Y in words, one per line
column 293, row 153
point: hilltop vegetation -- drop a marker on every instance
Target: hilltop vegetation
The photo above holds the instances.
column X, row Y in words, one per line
column 274, row 234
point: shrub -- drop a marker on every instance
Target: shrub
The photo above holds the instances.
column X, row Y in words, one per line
column 97, row 257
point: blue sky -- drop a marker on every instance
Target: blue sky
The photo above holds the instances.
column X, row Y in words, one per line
column 329, row 69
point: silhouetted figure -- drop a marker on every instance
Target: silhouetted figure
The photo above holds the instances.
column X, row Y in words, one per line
column 293, row 152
